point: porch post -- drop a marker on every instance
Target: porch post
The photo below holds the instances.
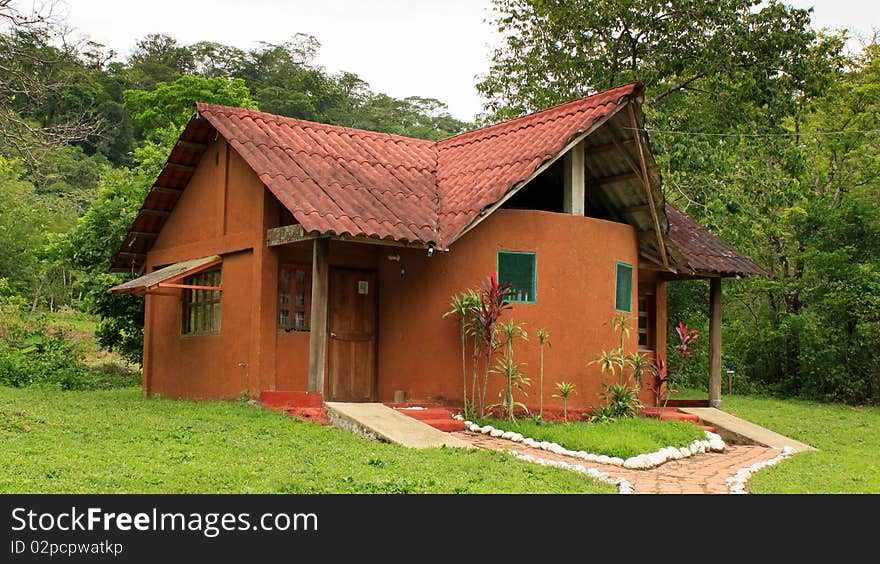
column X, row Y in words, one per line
column 715, row 342
column 574, row 195
column 318, row 333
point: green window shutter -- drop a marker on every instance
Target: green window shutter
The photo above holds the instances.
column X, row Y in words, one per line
column 624, row 292
column 520, row 270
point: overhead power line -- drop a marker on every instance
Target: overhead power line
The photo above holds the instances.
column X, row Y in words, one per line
column 772, row 134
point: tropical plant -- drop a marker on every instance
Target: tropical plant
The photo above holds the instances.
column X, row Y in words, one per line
column 514, row 377
column 663, row 376
column 620, row 401
column 565, row 389
column 625, row 369
column 464, row 306
column 543, row 339
column 492, row 304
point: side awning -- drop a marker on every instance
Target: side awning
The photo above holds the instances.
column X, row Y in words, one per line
column 169, row 277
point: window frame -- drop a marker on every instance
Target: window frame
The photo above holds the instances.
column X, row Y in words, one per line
column 650, row 316
column 291, row 306
column 534, row 297
column 617, row 287
column 203, row 301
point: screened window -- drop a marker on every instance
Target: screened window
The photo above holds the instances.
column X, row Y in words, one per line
column 646, row 320
column 624, row 291
column 294, row 297
column 520, row 271
column 201, row 308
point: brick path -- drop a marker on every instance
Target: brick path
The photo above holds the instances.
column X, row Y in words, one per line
column 700, row 474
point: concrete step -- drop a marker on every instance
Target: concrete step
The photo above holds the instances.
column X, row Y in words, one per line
column 446, row 425
column 735, row 430
column 378, row 421
column 426, row 414
column 669, row 413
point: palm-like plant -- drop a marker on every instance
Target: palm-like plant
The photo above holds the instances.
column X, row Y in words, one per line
column 565, row 390
column 463, row 306
column 514, row 378
column 543, row 339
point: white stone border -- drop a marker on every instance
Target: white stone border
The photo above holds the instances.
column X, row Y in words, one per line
column 736, row 484
column 713, row 443
column 623, row 486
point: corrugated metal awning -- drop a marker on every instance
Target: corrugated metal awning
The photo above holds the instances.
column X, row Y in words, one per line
column 166, row 277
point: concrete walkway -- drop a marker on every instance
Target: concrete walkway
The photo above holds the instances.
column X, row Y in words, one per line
column 700, row 474
column 739, row 431
column 378, row 421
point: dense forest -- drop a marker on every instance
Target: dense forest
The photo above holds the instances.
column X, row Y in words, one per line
column 766, row 129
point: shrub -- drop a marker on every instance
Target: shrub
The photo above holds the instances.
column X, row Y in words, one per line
column 32, row 355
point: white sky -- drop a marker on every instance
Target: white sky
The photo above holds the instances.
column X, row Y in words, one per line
column 429, row 48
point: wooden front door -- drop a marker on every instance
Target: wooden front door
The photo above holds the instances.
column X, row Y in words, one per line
column 352, row 325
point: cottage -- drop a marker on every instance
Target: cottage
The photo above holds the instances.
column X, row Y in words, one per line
column 281, row 254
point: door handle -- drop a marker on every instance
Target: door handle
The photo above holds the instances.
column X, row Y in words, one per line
column 332, row 334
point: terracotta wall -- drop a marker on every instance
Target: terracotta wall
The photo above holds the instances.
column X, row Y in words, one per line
column 201, row 224
column 226, row 210
column 419, row 351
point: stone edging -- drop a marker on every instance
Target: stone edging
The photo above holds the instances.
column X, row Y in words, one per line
column 623, row 486
column 736, row 484
column 713, row 443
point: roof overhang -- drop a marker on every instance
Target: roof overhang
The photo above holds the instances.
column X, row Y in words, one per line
column 169, row 277
column 163, row 195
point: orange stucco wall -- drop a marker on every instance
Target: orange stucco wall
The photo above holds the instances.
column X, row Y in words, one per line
column 419, row 351
column 226, row 210
column 225, row 364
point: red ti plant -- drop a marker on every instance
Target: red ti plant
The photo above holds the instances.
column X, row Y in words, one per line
column 686, row 338
column 492, row 304
column 664, row 376
column 660, row 382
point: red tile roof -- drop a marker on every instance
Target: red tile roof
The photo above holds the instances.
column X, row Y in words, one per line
column 342, row 181
column 346, row 181
column 705, row 252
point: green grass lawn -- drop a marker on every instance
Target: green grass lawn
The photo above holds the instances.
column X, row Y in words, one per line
column 848, row 440
column 623, row 438
column 115, row 441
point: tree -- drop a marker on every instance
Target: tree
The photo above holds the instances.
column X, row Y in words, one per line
column 765, row 131
column 34, row 79
column 173, row 104
column 556, row 51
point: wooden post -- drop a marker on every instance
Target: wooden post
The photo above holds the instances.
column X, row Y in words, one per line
column 320, row 297
column 574, row 195
column 715, row 342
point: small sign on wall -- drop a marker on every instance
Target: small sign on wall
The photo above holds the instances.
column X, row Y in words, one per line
column 363, row 287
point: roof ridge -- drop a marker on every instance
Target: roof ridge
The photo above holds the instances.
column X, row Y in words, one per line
column 638, row 90
column 279, row 119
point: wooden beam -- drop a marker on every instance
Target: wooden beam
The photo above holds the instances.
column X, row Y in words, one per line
column 160, row 213
column 661, row 245
column 596, row 149
column 574, row 194
column 635, row 209
column 377, row 241
column 715, row 342
column 288, row 234
column 190, row 287
column 131, row 254
column 620, row 177
column 182, row 167
column 166, row 190
column 320, row 297
column 191, row 145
